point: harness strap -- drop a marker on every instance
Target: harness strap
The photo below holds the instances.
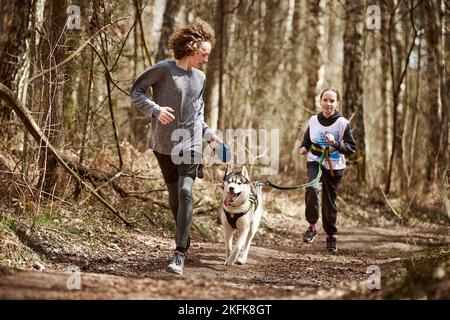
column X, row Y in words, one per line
column 317, row 150
column 233, row 217
column 327, row 155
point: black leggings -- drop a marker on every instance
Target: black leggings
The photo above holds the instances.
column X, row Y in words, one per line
column 180, row 201
column 328, row 186
column 179, row 180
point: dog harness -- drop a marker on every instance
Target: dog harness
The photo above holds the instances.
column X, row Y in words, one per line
column 232, row 217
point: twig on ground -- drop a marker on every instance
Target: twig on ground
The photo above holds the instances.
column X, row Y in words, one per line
column 389, row 203
column 58, row 231
column 149, row 219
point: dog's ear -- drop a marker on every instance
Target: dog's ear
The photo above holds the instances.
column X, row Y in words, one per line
column 244, row 172
column 229, row 169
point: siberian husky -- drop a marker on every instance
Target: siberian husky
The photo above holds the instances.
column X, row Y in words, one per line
column 241, row 209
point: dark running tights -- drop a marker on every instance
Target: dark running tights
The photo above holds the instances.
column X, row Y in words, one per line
column 180, row 201
column 328, row 187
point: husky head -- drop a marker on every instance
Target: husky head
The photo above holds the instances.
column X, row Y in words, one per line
column 237, row 187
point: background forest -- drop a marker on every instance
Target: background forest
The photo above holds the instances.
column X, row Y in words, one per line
column 72, row 64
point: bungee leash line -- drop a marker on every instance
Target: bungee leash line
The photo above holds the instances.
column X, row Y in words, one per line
column 301, row 186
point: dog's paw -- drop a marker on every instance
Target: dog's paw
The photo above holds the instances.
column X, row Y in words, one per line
column 229, row 262
column 241, row 261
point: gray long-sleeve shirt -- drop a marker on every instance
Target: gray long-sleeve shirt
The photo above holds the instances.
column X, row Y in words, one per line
column 182, row 91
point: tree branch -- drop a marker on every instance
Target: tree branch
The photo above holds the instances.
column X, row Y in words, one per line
column 73, row 55
column 24, row 114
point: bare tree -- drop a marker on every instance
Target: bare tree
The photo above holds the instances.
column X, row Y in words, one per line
column 384, row 87
column 14, row 20
column 168, row 27
column 445, row 83
column 269, row 38
column 399, row 55
column 432, row 35
column 311, row 50
column 353, row 75
column 53, row 52
column 214, row 83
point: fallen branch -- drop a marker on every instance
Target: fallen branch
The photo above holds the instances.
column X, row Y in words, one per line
column 150, row 219
column 117, row 175
column 94, row 176
column 24, row 114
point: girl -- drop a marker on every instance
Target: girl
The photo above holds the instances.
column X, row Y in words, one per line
column 328, row 132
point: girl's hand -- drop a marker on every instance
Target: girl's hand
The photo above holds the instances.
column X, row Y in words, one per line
column 166, row 116
column 330, row 138
column 302, row 151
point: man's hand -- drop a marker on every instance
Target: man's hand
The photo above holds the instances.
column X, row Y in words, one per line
column 215, row 140
column 166, row 116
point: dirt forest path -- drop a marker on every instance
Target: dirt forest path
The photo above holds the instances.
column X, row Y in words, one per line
column 304, row 271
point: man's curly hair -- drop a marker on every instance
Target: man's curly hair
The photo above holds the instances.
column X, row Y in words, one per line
column 187, row 40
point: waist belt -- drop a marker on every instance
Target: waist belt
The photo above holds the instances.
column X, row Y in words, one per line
column 318, row 151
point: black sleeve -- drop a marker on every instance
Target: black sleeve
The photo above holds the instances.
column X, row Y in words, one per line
column 306, row 140
column 348, row 144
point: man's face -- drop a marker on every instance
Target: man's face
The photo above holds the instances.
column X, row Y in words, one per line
column 202, row 55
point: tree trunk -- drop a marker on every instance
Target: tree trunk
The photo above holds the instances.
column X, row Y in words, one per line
column 312, row 66
column 53, row 52
column 14, row 20
column 268, row 42
column 353, row 77
column 168, row 27
column 445, row 86
column 214, row 81
column 432, row 36
column 26, row 91
column 138, row 122
column 75, row 89
column 385, row 85
column 296, row 72
column 398, row 66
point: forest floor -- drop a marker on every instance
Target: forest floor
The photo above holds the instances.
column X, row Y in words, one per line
column 133, row 268
column 86, row 253
column 130, row 264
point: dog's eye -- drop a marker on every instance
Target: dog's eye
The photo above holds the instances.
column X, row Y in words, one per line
column 239, row 183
